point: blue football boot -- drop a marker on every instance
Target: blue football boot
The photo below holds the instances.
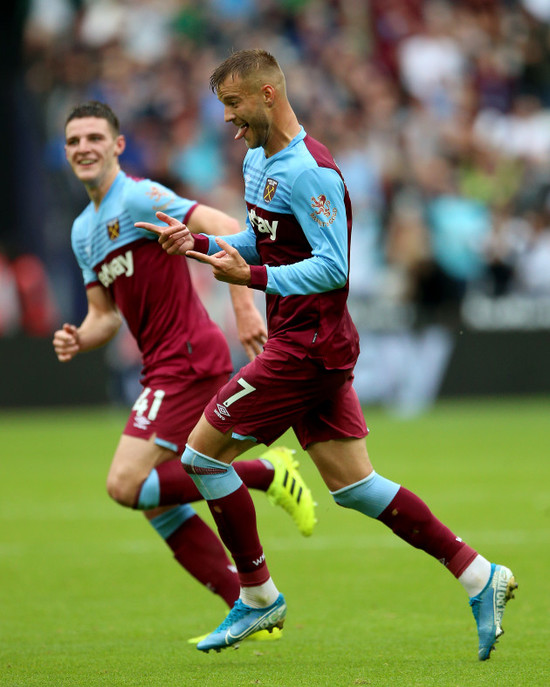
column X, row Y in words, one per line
column 242, row 621
column 488, row 608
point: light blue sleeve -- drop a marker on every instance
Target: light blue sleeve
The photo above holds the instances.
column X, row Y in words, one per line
column 244, row 241
column 147, row 197
column 88, row 274
column 81, row 256
column 317, row 202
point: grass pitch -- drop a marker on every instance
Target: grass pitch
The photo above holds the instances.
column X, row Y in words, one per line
column 90, row 596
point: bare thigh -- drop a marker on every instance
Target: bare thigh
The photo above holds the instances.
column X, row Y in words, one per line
column 218, row 445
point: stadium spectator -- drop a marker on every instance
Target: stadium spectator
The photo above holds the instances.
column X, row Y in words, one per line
column 432, row 64
column 296, row 248
column 184, row 354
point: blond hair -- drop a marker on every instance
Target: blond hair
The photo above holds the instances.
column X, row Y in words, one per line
column 251, row 66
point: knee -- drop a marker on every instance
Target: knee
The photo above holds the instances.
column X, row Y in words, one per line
column 123, row 489
column 213, row 478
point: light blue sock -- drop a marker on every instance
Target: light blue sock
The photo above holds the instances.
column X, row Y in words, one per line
column 369, row 496
column 149, row 495
column 168, row 522
column 212, row 478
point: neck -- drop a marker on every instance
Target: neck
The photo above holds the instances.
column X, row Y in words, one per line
column 284, row 128
column 97, row 192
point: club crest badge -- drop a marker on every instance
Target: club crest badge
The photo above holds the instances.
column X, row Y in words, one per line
column 323, row 212
column 161, row 198
column 113, row 229
column 156, row 193
column 321, row 205
column 269, row 190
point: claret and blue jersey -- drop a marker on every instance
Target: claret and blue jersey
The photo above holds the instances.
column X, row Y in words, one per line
column 98, row 235
column 152, row 289
column 297, row 241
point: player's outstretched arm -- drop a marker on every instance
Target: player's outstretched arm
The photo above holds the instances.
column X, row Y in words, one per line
column 175, row 238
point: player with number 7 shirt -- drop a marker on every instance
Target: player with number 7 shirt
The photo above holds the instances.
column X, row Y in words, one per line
column 296, row 248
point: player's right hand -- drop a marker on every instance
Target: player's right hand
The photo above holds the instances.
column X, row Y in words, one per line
column 175, row 239
column 66, row 342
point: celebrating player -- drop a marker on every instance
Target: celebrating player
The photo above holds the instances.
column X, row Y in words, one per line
column 185, row 355
column 296, row 248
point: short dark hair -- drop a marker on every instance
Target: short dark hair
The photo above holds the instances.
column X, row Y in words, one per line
column 93, row 108
column 245, row 63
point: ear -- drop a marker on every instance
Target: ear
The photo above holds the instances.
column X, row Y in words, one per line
column 268, row 94
column 120, row 144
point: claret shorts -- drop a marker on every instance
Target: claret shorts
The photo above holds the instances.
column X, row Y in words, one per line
column 169, row 407
column 277, row 391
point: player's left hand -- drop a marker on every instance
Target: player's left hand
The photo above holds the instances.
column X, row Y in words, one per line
column 228, row 265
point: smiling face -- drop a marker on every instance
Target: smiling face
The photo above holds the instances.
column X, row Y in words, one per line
column 92, row 149
column 248, row 108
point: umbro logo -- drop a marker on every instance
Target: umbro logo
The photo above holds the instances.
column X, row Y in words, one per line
column 141, row 422
column 221, row 411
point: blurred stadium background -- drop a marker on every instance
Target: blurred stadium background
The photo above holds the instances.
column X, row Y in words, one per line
column 438, row 114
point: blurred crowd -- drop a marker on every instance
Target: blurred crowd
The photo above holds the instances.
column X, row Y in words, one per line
column 437, row 113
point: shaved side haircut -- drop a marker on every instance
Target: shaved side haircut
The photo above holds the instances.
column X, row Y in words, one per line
column 251, row 66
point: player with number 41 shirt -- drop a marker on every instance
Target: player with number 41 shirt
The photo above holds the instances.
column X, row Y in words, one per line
column 184, row 353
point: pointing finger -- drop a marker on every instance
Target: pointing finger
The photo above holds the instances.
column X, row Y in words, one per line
column 202, row 257
column 150, row 227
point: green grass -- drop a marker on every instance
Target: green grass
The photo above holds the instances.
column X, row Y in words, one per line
column 90, row 596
